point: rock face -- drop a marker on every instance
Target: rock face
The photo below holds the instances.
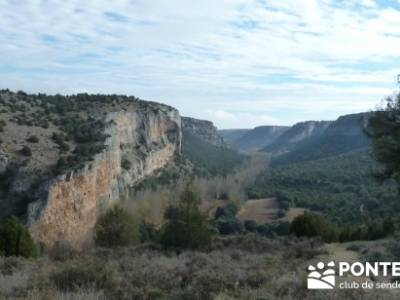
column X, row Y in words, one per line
column 296, row 134
column 259, row 137
column 139, row 143
column 204, row 130
column 342, row 136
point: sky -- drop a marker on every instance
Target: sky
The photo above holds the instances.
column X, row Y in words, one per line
column 238, row 63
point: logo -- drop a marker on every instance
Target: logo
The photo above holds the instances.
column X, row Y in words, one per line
column 321, row 277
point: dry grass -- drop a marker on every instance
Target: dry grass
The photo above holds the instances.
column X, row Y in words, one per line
column 260, row 210
column 236, row 267
column 266, row 211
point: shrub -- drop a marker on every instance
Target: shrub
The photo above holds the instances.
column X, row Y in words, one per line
column 281, row 213
column 88, row 275
column 15, row 239
column 223, row 196
column 148, row 232
column 250, row 225
column 2, row 125
column 126, row 164
column 26, row 151
column 226, row 221
column 282, row 228
column 229, row 211
column 310, row 225
column 265, row 230
column 62, row 251
column 185, row 226
column 229, row 225
column 388, row 227
column 116, row 228
column 33, row 139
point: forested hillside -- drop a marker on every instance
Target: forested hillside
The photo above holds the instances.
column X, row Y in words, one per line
column 209, row 159
column 258, row 137
column 230, row 135
column 341, row 187
column 295, row 135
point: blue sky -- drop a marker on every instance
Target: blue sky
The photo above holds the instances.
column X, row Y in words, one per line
column 238, row 63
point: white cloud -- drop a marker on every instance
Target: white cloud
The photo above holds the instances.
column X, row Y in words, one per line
column 259, row 56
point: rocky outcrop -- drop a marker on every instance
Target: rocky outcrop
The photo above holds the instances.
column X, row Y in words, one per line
column 342, row 136
column 138, row 143
column 204, row 130
column 259, row 137
column 297, row 134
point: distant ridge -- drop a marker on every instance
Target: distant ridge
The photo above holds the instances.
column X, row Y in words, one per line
column 295, row 135
column 230, row 135
column 341, row 136
column 257, row 138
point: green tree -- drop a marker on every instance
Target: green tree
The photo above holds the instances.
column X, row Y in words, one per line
column 185, row 226
column 384, row 129
column 15, row 239
column 26, row 151
column 310, row 225
column 116, row 228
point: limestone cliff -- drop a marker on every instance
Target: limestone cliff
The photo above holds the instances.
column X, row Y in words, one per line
column 138, row 143
column 203, row 129
column 258, row 137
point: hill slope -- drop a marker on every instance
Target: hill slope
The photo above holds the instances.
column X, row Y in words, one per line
column 333, row 138
column 209, row 159
column 341, row 186
column 258, row 137
column 295, row 135
column 231, row 135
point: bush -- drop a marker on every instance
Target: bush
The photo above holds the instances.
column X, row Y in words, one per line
column 223, row 196
column 116, row 228
column 62, row 251
column 250, row 225
column 311, row 225
column 126, row 164
column 33, row 139
column 264, row 230
column 2, row 125
column 282, row 228
column 228, row 211
column 26, row 151
column 226, row 221
column 148, row 232
column 88, row 275
column 15, row 239
column 229, row 225
column 185, row 226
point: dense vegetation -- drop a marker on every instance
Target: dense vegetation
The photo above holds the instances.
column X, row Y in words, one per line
column 15, row 239
column 313, row 225
column 292, row 138
column 340, row 187
column 117, row 227
column 185, row 225
column 341, row 136
column 209, row 159
column 384, row 129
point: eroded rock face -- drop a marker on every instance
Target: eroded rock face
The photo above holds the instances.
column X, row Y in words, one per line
column 204, row 130
column 71, row 203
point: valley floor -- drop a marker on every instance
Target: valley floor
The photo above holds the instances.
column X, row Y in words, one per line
column 266, row 211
